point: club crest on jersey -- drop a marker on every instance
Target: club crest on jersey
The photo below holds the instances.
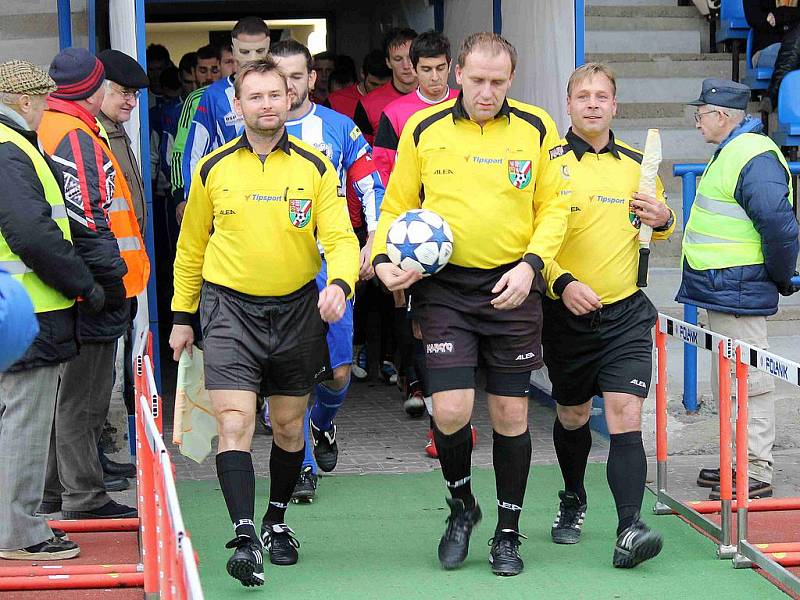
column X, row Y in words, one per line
column 519, row 173
column 299, row 212
column 633, row 217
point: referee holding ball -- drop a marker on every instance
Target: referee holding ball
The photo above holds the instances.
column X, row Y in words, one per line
column 481, row 162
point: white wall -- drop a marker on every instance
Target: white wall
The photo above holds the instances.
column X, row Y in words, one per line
column 543, row 32
column 462, row 17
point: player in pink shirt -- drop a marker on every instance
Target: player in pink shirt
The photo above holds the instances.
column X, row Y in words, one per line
column 430, row 58
column 404, row 80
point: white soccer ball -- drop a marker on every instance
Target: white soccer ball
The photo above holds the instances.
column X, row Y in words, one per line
column 419, row 239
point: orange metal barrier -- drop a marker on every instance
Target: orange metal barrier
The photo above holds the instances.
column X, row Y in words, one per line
column 721, row 346
column 772, row 558
column 168, row 568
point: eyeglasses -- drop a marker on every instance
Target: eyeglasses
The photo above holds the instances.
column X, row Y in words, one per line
column 128, row 94
column 699, row 115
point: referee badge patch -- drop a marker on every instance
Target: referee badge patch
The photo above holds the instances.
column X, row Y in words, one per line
column 519, row 173
column 299, row 212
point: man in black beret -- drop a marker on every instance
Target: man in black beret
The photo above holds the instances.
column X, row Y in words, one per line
column 124, row 79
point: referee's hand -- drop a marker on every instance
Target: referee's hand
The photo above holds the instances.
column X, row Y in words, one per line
column 182, row 337
column 395, row 278
column 515, row 285
column 331, row 303
column 580, row 299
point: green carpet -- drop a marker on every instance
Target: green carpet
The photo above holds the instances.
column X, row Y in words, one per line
column 375, row 536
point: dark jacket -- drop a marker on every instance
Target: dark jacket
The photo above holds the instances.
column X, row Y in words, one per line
column 764, row 34
column 89, row 180
column 28, row 228
column 762, row 191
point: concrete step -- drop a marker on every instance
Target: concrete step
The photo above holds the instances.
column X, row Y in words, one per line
column 605, row 56
column 642, row 10
column 665, row 110
column 643, row 41
column 667, row 67
column 39, row 51
column 591, row 3
column 640, row 23
column 37, row 7
column 36, row 26
column 676, row 144
column 658, row 89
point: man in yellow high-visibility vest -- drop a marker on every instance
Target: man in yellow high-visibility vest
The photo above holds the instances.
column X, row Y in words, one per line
column 740, row 250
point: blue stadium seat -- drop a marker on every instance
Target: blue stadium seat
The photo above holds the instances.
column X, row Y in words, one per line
column 787, row 132
column 732, row 23
column 733, row 28
column 758, row 77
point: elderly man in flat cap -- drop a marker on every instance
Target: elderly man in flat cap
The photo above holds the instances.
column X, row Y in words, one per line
column 124, row 80
column 35, row 249
column 740, row 251
column 107, row 237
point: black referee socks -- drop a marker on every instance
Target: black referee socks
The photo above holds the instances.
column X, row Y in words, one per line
column 284, row 469
column 626, row 472
column 572, row 450
column 238, row 482
column 455, row 456
column 511, row 457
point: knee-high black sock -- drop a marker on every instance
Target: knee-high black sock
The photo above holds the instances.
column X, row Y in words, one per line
column 238, row 482
column 626, row 472
column 511, row 457
column 284, row 469
column 455, row 456
column 572, row 450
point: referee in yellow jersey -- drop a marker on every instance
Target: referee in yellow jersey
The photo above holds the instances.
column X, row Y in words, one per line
column 248, row 257
column 597, row 323
column 481, row 162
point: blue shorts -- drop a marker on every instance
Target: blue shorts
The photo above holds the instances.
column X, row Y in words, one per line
column 340, row 334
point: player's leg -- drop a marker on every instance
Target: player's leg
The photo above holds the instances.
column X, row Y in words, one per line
column 572, row 440
column 452, row 410
column 511, row 458
column 230, row 330
column 330, row 395
column 624, row 378
column 235, row 413
column 288, row 415
column 627, row 472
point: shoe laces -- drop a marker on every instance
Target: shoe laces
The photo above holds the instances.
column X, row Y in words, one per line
column 307, row 477
column 241, row 541
column 569, row 515
column 282, row 533
column 459, row 525
column 506, row 542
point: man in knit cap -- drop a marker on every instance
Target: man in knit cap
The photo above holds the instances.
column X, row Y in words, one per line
column 107, row 237
column 35, row 250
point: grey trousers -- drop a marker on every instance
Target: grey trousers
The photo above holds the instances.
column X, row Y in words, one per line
column 760, row 402
column 27, row 402
column 74, row 473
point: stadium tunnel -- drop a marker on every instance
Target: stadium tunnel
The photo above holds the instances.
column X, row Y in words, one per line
column 548, row 35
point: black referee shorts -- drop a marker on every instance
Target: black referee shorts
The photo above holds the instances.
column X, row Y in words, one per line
column 461, row 331
column 270, row 345
column 608, row 350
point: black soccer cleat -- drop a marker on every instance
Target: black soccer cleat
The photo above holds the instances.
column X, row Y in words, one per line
column 247, row 562
column 326, row 450
column 636, row 544
column 305, row 490
column 280, row 542
column 454, row 545
column 569, row 519
column 504, row 555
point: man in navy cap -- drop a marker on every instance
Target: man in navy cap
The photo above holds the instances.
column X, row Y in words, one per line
column 739, row 251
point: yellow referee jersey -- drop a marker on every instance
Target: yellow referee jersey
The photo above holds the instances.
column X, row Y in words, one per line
column 495, row 185
column 601, row 247
column 252, row 225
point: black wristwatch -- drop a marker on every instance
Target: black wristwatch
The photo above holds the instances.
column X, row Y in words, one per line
column 668, row 224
